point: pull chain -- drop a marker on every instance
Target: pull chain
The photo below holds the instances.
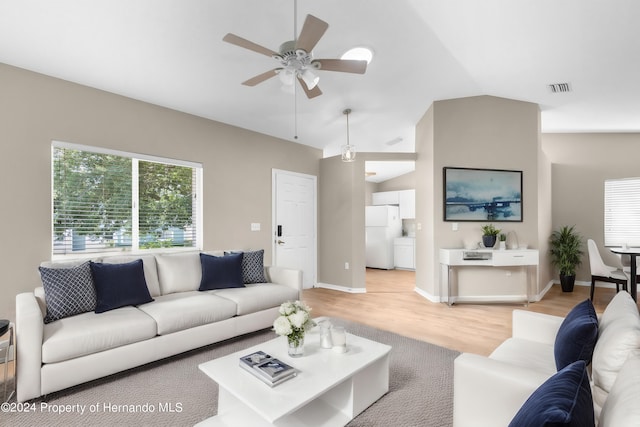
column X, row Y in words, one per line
column 295, row 85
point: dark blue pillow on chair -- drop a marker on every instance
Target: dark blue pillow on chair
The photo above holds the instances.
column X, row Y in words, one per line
column 577, row 335
column 220, row 272
column 563, row 400
column 119, row 285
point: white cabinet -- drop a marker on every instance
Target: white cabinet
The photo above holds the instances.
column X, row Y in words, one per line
column 406, row 199
column 385, row 198
column 404, row 253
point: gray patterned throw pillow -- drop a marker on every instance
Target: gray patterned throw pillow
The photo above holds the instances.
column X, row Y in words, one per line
column 68, row 291
column 253, row 267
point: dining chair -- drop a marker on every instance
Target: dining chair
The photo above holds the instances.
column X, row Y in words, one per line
column 601, row 272
column 625, row 260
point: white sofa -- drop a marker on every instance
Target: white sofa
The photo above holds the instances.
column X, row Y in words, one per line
column 83, row 347
column 489, row 391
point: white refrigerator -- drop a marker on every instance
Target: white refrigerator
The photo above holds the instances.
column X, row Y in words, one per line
column 382, row 225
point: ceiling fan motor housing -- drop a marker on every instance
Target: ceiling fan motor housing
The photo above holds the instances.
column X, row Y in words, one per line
column 292, row 58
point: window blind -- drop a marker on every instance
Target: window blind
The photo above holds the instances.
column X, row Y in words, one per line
column 105, row 201
column 622, row 212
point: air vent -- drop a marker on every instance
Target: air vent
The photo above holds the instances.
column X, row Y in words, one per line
column 394, row 141
column 560, row 87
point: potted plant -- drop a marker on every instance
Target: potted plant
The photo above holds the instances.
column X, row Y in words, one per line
column 503, row 241
column 489, row 233
column 566, row 254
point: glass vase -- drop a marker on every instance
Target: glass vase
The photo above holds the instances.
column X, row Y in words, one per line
column 296, row 346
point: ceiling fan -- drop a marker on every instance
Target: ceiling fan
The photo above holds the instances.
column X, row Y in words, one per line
column 296, row 60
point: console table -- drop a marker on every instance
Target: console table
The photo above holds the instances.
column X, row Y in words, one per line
column 453, row 259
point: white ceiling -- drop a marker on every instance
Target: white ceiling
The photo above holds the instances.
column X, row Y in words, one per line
column 171, row 53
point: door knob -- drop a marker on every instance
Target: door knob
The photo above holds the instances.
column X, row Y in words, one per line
column 280, row 242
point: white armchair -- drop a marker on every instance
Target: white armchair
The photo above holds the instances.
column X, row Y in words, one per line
column 489, row 391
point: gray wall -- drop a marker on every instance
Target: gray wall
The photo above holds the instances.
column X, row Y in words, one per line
column 402, row 182
column 35, row 109
column 580, row 165
column 478, row 132
column 343, row 194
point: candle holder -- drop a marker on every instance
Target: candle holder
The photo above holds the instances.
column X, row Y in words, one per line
column 339, row 338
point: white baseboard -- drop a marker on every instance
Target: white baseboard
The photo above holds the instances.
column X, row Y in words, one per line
column 341, row 288
column 427, row 295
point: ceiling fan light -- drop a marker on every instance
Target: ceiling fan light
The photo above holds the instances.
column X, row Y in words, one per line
column 310, row 79
column 286, row 77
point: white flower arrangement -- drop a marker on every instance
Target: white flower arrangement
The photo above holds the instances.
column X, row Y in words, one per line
column 294, row 321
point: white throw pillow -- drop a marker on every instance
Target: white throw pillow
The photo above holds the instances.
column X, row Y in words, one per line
column 621, row 407
column 179, row 272
column 619, row 341
column 622, row 305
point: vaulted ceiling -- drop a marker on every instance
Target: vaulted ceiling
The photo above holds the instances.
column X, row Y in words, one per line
column 171, row 53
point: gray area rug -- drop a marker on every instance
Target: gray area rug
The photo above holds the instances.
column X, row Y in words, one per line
column 174, row 392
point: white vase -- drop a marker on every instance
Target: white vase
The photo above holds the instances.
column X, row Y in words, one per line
column 503, row 245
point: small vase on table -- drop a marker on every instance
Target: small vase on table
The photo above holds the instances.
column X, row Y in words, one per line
column 296, row 345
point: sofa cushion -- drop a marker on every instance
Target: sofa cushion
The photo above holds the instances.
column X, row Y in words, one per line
column 615, row 344
column 150, row 269
column 68, row 290
column 562, row 400
column 526, row 353
column 621, row 407
column 577, row 335
column 257, row 297
column 621, row 306
column 219, row 272
column 179, row 272
column 179, row 311
column 119, row 285
column 90, row 333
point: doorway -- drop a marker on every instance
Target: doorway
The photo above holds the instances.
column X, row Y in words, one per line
column 294, row 225
column 391, row 182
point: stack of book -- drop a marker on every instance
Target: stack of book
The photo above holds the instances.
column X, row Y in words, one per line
column 268, row 369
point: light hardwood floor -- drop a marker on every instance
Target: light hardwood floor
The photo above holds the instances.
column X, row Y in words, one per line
column 392, row 304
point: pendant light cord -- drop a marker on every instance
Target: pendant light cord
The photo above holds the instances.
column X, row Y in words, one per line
column 347, row 111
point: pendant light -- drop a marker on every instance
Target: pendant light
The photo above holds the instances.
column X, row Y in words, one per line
column 348, row 150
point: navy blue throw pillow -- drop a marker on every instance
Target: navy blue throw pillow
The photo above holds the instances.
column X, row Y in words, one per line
column 220, row 272
column 577, row 335
column 119, row 285
column 563, row 400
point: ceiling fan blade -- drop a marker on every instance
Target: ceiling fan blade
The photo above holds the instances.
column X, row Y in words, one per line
column 239, row 41
column 311, row 93
column 312, row 30
column 343, row 65
column 261, row 77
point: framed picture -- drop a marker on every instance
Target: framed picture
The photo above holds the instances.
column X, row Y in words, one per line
column 482, row 195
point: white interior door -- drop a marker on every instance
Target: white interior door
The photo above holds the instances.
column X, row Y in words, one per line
column 294, row 226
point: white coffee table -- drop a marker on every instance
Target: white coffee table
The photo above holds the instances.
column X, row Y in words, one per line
column 329, row 390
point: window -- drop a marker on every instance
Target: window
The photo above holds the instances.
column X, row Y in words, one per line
column 107, row 201
column 622, row 212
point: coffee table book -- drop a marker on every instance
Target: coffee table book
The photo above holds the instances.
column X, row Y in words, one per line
column 270, row 370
